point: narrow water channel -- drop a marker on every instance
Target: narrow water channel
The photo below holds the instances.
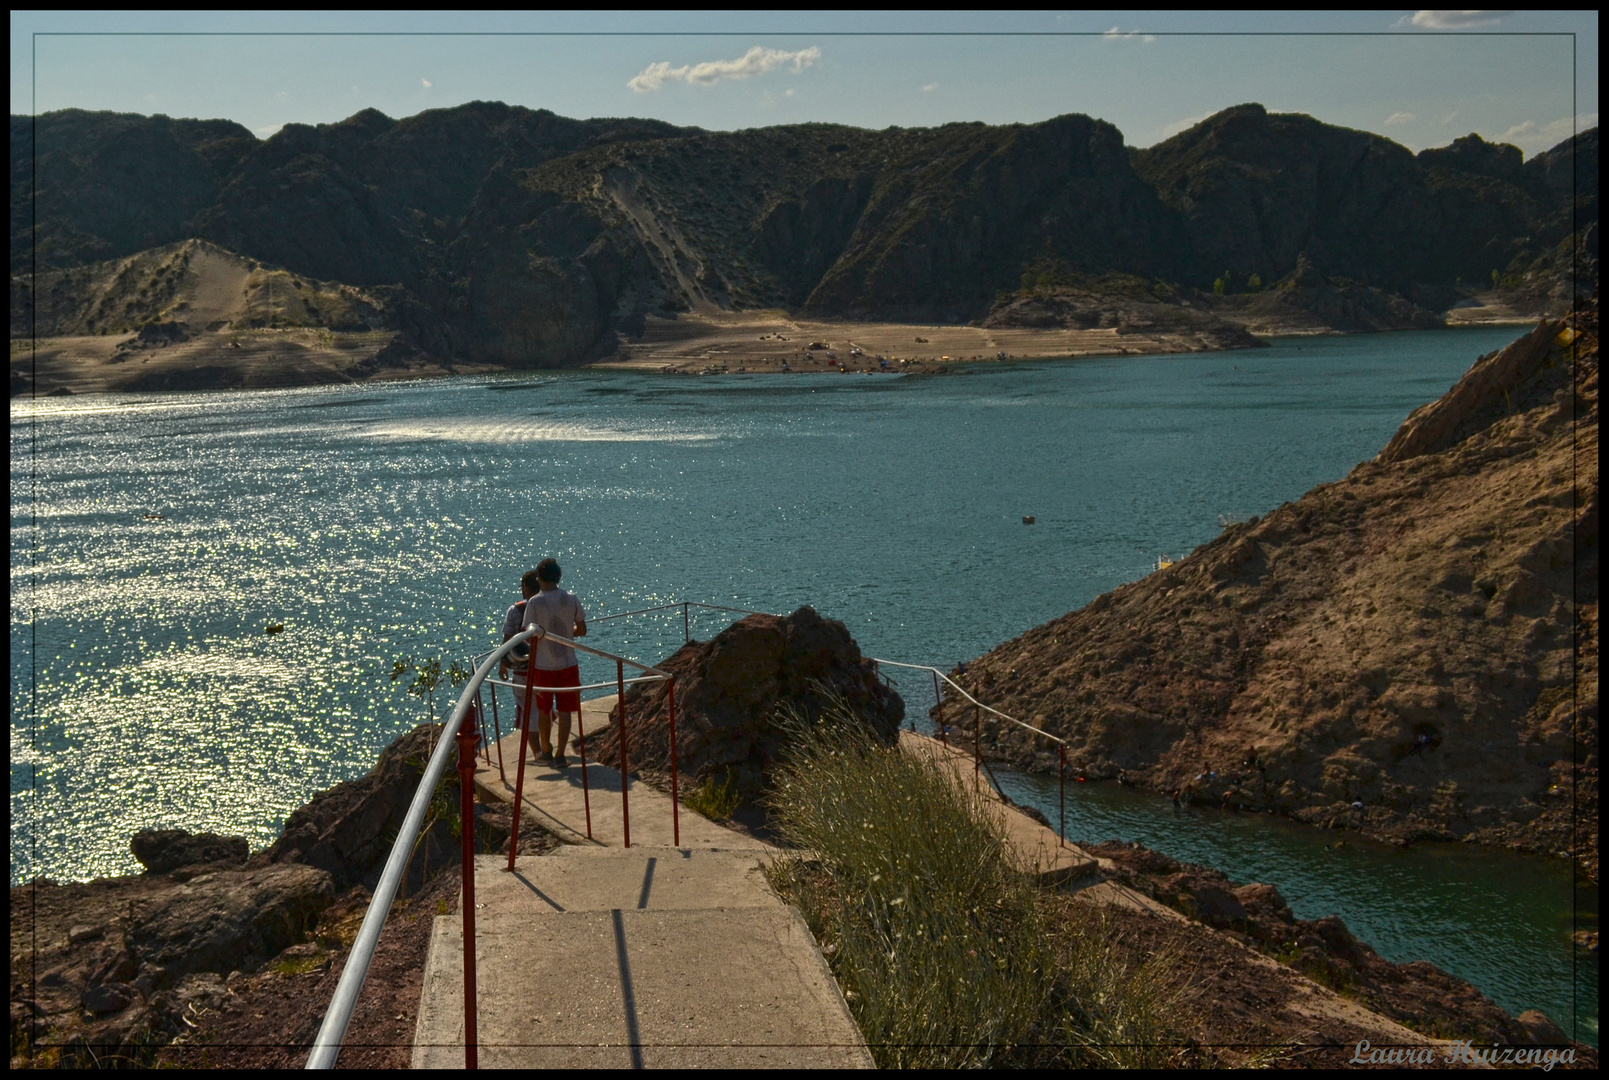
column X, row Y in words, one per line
column 1500, row 920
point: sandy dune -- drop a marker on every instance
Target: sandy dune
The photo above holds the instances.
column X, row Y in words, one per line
column 248, row 359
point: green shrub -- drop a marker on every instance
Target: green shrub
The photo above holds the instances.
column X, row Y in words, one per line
column 948, row 955
column 715, row 800
column 935, row 939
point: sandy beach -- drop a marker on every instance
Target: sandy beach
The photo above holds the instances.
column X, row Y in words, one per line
column 772, row 341
column 748, row 342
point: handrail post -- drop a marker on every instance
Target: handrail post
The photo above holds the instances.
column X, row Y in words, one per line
column 1061, row 805
column 519, row 773
column 468, row 736
column 625, row 808
column 675, row 803
column 497, row 726
column 938, row 708
column 484, row 742
column 581, row 746
column 687, row 625
column 977, row 740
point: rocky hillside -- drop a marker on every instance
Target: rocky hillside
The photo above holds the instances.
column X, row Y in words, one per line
column 518, row 236
column 1410, row 651
column 193, row 284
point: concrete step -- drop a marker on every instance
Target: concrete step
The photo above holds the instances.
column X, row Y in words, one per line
column 732, row 987
column 557, row 800
column 602, row 879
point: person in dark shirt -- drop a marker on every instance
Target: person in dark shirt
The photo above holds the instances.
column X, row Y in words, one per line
column 518, row 661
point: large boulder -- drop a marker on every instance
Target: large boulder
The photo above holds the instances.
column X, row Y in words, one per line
column 729, row 690
column 163, row 850
column 226, row 920
column 348, row 831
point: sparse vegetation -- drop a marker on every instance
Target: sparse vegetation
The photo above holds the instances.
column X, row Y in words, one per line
column 428, row 678
column 948, row 955
column 716, row 800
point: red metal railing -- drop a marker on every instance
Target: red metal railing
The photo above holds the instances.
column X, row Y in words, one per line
column 528, row 687
column 980, row 766
column 467, row 727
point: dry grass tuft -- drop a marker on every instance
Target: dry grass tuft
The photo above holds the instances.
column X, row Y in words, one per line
column 945, row 952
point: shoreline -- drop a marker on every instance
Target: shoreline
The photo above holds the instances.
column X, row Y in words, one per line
column 253, row 1010
column 724, row 344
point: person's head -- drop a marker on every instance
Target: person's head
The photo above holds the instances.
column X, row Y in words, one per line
column 548, row 573
column 530, row 583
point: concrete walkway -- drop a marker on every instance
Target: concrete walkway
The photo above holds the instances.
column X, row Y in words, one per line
column 1039, row 849
column 597, row 956
column 560, row 801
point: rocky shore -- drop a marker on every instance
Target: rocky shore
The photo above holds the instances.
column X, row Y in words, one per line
column 1410, row 652
column 1418, row 995
column 217, row 958
column 114, row 970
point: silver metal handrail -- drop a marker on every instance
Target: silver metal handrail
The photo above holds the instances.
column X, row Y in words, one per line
column 332, row 1032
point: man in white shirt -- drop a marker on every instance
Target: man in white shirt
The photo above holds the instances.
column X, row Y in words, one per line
column 553, row 665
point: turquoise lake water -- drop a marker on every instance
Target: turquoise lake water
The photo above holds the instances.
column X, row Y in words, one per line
column 153, row 537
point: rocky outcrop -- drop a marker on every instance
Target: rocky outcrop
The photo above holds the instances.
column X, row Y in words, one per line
column 112, row 967
column 1126, row 305
column 227, row 920
column 728, row 691
column 164, row 850
column 1418, row 995
column 1410, row 651
column 115, row 967
column 348, row 830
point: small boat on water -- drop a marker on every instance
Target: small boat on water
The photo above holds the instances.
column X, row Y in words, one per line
column 1163, row 562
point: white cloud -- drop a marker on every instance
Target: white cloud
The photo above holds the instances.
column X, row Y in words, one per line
column 1455, row 20
column 1449, row 118
column 757, row 61
column 930, row 87
column 1399, row 118
column 425, row 83
column 789, row 92
column 1183, row 125
column 265, row 132
column 1533, row 138
column 1115, row 34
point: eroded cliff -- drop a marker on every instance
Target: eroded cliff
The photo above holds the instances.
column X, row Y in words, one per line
column 1411, row 650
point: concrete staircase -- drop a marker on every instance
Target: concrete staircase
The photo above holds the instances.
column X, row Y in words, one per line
column 599, row 956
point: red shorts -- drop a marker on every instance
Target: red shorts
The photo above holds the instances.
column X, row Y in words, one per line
column 569, row 700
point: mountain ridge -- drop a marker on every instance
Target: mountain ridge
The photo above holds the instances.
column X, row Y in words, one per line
column 521, row 237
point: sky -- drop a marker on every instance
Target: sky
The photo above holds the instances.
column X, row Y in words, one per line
column 1421, row 78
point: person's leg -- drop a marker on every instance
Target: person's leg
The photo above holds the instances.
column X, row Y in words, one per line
column 544, row 727
column 564, row 734
column 567, row 703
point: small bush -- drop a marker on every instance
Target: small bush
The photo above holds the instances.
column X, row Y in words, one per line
column 933, row 935
column 298, row 965
column 950, row 956
column 715, row 800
